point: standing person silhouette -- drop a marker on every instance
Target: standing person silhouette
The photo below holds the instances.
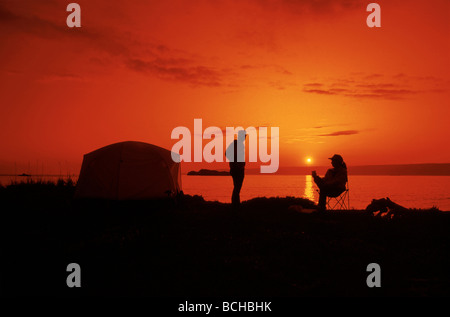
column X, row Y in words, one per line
column 333, row 184
column 236, row 156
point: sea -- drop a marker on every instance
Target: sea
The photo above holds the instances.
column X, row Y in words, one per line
column 409, row 191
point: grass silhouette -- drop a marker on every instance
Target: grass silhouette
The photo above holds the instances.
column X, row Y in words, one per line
column 193, row 247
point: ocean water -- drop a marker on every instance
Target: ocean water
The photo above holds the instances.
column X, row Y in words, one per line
column 408, row 191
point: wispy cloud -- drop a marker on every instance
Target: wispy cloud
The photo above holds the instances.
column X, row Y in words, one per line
column 110, row 48
column 319, row 133
column 371, row 86
column 339, row 133
column 317, row 7
column 178, row 70
column 154, row 59
column 313, row 85
column 61, row 77
column 319, row 91
column 43, row 28
column 329, row 125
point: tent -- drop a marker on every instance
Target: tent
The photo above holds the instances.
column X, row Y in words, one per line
column 129, row 170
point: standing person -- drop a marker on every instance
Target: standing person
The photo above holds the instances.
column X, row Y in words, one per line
column 236, row 156
column 333, row 184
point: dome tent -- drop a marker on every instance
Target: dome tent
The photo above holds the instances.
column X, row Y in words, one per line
column 129, row 170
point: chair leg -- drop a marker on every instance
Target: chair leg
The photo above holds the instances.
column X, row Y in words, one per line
column 341, row 202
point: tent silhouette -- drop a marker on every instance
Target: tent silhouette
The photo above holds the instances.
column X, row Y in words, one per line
column 129, row 170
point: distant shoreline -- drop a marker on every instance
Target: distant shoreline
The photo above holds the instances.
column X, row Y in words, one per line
column 426, row 169
column 206, row 172
column 38, row 175
column 429, row 169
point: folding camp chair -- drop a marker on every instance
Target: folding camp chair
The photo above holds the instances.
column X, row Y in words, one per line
column 341, row 202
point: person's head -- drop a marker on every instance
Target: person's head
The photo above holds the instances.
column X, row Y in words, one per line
column 337, row 161
column 241, row 135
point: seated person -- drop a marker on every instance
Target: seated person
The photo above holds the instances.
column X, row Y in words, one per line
column 333, row 184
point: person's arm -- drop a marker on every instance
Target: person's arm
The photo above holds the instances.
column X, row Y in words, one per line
column 315, row 176
column 229, row 153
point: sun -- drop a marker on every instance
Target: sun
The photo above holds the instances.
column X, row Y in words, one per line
column 308, row 160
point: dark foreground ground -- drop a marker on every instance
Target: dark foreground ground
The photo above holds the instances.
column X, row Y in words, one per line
column 198, row 248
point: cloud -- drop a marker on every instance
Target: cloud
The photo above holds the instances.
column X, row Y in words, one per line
column 234, row 76
column 273, row 67
column 319, row 91
column 280, row 78
column 310, row 134
column 28, row 24
column 329, row 125
column 61, row 77
column 312, row 85
column 149, row 58
column 317, row 7
column 177, row 70
column 108, row 48
column 42, row 28
column 339, row 133
column 373, row 86
column 373, row 76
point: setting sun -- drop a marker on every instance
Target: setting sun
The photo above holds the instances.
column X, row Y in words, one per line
column 189, row 128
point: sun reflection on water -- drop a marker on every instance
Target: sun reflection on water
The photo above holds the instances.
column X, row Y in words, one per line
column 309, row 189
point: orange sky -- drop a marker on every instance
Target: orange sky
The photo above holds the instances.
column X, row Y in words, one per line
column 137, row 69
